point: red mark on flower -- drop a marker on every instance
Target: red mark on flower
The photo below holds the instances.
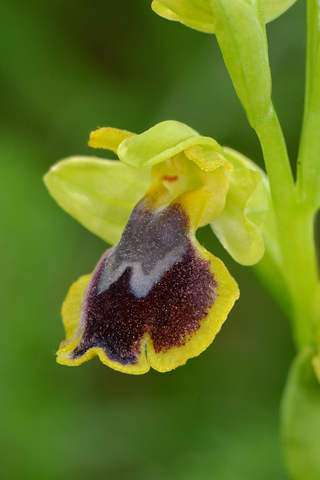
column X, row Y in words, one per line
column 170, row 178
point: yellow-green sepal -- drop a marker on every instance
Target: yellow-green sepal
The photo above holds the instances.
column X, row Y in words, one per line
column 274, row 8
column 195, row 14
column 161, row 142
column 198, row 14
column 239, row 226
column 100, row 194
column 269, row 268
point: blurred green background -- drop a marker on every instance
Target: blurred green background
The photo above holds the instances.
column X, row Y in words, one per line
column 68, row 67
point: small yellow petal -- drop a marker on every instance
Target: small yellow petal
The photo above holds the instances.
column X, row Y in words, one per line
column 108, row 138
column 207, row 160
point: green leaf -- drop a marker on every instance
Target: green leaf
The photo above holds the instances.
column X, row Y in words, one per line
column 100, row 194
column 301, row 419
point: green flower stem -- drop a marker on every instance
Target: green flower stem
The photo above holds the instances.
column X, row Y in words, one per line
column 308, row 168
column 300, row 265
column 277, row 162
column 295, row 236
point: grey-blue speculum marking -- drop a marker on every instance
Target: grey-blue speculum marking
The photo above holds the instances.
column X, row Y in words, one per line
column 151, row 243
column 153, row 281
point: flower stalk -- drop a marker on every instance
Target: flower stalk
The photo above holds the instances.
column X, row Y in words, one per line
column 308, row 165
column 295, row 230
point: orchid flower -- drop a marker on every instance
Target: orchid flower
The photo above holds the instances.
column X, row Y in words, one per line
column 157, row 297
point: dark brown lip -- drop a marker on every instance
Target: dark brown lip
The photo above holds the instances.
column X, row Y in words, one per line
column 116, row 319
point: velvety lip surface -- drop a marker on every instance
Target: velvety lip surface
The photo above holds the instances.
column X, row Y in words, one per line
column 153, row 282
